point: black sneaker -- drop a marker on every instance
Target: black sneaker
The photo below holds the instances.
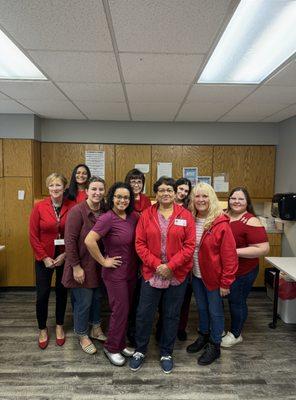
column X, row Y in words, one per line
column 199, row 344
column 210, row 354
column 182, row 335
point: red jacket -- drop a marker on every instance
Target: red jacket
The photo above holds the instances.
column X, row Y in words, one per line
column 180, row 242
column 44, row 228
column 217, row 257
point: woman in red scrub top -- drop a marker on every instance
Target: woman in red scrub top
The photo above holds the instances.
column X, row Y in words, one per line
column 78, row 184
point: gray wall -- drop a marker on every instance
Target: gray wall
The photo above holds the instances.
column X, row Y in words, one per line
column 17, row 126
column 286, row 177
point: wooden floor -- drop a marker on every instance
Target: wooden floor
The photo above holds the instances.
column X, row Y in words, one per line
column 262, row 367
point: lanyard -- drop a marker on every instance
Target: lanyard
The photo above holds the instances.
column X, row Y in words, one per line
column 58, row 218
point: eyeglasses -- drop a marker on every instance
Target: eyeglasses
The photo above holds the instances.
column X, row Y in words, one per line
column 125, row 198
column 162, row 191
column 136, row 183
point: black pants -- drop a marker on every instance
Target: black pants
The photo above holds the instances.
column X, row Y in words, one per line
column 43, row 286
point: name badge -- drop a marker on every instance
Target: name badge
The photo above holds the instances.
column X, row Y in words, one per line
column 59, row 242
column 180, row 222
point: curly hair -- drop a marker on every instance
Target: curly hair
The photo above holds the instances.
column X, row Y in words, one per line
column 166, row 181
column 111, row 192
column 215, row 209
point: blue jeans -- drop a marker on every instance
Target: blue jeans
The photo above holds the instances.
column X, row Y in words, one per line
column 172, row 299
column 210, row 309
column 237, row 299
column 87, row 309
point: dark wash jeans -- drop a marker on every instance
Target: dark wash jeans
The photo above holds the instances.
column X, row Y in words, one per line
column 172, row 299
column 237, row 300
column 210, row 310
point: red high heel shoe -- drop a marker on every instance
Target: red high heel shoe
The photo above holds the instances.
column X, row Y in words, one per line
column 60, row 342
column 44, row 343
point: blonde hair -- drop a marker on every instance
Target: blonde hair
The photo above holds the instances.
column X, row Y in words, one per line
column 55, row 176
column 215, row 209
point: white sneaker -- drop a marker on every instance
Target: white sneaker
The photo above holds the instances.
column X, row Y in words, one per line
column 114, row 358
column 128, row 352
column 230, row 340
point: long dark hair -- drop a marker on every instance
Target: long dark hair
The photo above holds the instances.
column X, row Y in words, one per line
column 92, row 179
column 184, row 181
column 71, row 193
column 250, row 207
column 111, row 192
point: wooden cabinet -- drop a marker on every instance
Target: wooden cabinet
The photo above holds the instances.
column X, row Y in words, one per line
column 249, row 166
column 17, row 157
column 275, row 243
column 63, row 157
column 2, row 236
column 1, row 158
column 127, row 155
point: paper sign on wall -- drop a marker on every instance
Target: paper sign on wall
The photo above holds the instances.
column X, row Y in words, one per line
column 164, row 169
column 143, row 168
column 95, row 160
column 221, row 182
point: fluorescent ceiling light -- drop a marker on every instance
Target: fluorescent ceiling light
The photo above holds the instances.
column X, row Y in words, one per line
column 14, row 64
column 260, row 36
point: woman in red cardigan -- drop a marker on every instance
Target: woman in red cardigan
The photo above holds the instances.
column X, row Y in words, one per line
column 165, row 241
column 214, row 266
column 46, row 231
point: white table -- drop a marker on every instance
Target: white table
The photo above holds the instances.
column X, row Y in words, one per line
column 286, row 265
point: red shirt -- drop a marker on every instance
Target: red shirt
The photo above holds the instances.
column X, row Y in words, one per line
column 217, row 255
column 179, row 246
column 141, row 204
column 81, row 196
column 244, row 236
column 44, row 227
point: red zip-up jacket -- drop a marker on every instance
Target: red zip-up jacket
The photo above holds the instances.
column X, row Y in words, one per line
column 217, row 257
column 180, row 242
column 44, row 227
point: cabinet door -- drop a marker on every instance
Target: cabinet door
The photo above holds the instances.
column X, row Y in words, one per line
column 17, row 156
column 63, row 157
column 127, row 155
column 249, row 166
column 2, row 236
column 173, row 154
column 200, row 157
column 19, row 258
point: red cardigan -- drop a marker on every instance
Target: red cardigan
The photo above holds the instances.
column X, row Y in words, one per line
column 44, row 228
column 180, row 242
column 217, row 257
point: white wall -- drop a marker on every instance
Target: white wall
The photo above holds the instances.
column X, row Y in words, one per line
column 285, row 180
column 158, row 132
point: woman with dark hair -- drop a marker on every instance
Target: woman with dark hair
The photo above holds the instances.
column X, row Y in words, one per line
column 82, row 273
column 78, row 183
column 183, row 190
column 165, row 241
column 116, row 228
column 136, row 179
column 251, row 243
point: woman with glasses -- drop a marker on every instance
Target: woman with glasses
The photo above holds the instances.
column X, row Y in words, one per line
column 136, row 179
column 116, row 228
column 165, row 241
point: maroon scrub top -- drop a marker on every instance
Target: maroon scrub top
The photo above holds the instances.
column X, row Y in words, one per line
column 118, row 236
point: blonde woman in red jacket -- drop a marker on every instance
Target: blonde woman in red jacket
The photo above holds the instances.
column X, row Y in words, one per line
column 214, row 265
column 46, row 232
column 165, row 242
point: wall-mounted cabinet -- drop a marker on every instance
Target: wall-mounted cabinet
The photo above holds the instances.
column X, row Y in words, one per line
column 17, row 157
column 1, row 158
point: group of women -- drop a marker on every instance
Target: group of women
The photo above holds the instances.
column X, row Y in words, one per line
column 149, row 258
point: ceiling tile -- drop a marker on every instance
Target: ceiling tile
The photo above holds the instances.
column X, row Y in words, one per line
column 159, row 68
column 153, row 111
column 11, row 107
column 252, row 112
column 203, row 111
column 57, row 24
column 175, row 26
column 54, row 109
column 31, row 90
column 93, row 91
column 104, row 111
column 273, row 95
column 155, row 92
column 285, row 77
column 219, row 93
column 288, row 112
column 3, row 97
column 78, row 67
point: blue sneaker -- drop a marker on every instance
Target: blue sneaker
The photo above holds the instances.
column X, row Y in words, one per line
column 167, row 364
column 136, row 361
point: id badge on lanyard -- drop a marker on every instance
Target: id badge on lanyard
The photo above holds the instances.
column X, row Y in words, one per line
column 59, row 241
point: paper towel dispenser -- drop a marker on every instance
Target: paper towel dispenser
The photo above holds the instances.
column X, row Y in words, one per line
column 284, row 206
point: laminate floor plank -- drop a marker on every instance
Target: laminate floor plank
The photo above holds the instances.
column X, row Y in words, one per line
column 262, row 367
